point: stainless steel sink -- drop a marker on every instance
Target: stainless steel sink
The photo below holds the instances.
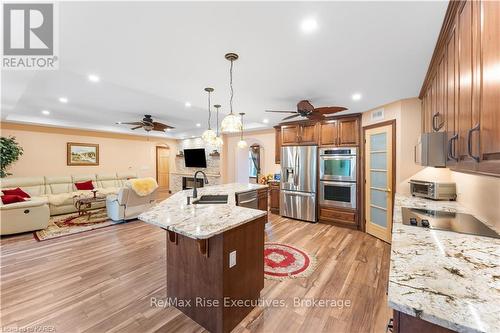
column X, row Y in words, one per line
column 211, row 199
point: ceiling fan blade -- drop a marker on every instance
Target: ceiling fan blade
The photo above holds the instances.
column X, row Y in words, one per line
column 292, row 116
column 281, row 111
column 137, row 123
column 330, row 109
column 136, row 127
column 315, row 116
column 160, row 126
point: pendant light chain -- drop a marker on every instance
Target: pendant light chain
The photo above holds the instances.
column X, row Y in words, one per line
column 209, row 113
column 231, row 87
column 217, row 120
column 231, row 122
column 241, row 132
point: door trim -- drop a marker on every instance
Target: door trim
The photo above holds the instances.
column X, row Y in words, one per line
column 363, row 167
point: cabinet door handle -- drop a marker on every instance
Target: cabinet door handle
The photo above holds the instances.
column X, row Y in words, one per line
column 469, row 142
column 451, row 156
column 435, row 127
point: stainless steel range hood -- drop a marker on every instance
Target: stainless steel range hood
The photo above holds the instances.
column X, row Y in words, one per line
column 431, row 150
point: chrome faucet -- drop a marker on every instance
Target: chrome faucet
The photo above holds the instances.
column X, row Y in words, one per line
column 195, row 191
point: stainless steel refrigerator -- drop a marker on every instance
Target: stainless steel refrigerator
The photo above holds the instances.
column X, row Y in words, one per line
column 299, row 169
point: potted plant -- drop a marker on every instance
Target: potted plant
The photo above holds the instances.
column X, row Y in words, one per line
column 10, row 151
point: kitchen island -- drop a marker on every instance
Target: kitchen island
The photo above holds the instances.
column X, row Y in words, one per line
column 215, row 255
column 441, row 281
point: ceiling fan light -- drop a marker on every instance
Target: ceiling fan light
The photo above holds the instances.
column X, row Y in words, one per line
column 242, row 144
column 208, row 136
column 231, row 124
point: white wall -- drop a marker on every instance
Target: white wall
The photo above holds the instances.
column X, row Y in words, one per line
column 406, row 113
column 236, row 165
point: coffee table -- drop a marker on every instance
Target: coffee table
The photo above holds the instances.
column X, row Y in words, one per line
column 84, row 205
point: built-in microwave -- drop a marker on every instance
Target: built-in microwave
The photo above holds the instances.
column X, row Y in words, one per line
column 337, row 194
column 337, row 164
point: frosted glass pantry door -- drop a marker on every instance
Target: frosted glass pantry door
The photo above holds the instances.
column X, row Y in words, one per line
column 378, row 185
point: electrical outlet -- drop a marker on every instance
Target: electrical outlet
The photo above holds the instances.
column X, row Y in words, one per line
column 232, row 259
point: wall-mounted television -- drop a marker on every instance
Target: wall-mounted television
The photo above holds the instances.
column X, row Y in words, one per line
column 195, row 158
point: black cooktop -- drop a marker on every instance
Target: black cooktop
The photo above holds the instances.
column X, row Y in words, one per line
column 440, row 220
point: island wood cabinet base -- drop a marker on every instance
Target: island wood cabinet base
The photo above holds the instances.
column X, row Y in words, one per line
column 404, row 323
column 203, row 279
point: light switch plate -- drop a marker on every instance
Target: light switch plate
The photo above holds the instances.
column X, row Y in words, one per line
column 232, row 259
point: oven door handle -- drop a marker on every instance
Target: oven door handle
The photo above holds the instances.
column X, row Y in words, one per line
column 337, row 157
column 299, row 194
column 337, row 183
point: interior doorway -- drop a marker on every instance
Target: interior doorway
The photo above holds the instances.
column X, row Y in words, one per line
column 254, row 163
column 380, row 171
column 163, row 168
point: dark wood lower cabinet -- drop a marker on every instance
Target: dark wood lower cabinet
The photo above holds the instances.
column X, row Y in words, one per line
column 274, row 192
column 198, row 272
column 262, row 199
column 338, row 216
column 404, row 323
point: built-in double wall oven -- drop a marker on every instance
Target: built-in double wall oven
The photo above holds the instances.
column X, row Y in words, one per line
column 338, row 177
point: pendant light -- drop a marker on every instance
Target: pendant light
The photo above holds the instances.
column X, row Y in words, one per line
column 217, row 142
column 208, row 136
column 242, row 143
column 231, row 123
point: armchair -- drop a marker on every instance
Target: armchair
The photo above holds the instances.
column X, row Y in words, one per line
column 127, row 205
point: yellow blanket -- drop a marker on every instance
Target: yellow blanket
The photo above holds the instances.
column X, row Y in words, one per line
column 143, row 186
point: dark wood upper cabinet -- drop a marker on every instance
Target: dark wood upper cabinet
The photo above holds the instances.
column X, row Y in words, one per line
column 334, row 131
column 309, row 134
column 490, row 107
column 299, row 134
column 461, row 90
column 328, row 133
column 289, row 135
column 348, row 132
column 277, row 148
column 340, row 132
column 450, row 123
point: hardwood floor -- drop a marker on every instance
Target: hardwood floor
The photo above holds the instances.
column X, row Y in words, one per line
column 103, row 281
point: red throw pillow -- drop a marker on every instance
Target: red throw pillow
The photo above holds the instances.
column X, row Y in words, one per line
column 84, row 185
column 16, row 191
column 11, row 198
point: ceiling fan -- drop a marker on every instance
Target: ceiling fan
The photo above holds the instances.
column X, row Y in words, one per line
column 148, row 124
column 306, row 109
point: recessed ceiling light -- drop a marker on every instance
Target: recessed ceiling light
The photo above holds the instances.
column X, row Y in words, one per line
column 356, row 97
column 46, row 112
column 63, row 100
column 198, row 125
column 265, row 120
column 94, row 78
column 192, row 136
column 309, row 25
column 187, row 104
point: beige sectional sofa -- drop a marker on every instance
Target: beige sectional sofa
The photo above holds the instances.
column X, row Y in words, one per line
column 51, row 196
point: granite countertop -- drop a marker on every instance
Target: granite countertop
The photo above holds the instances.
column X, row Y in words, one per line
column 203, row 221
column 447, row 278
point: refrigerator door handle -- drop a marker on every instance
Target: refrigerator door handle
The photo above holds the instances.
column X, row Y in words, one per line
column 296, row 169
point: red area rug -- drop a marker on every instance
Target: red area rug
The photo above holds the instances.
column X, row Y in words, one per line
column 283, row 261
column 69, row 224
